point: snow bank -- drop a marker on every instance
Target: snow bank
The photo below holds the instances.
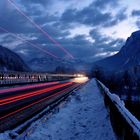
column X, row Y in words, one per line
column 131, row 119
column 83, row 117
column 5, row 136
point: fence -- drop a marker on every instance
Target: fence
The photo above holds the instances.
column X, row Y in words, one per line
column 125, row 125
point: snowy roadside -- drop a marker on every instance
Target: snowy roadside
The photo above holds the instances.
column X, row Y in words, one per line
column 84, row 117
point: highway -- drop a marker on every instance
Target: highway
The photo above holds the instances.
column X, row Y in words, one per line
column 19, row 104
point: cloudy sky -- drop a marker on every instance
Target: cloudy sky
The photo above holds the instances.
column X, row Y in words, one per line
column 89, row 29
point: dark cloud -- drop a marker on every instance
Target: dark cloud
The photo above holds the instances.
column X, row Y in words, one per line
column 86, row 16
column 138, row 23
column 41, row 2
column 96, row 35
column 58, row 27
column 105, row 43
column 13, row 21
column 135, row 13
column 78, row 46
column 104, row 3
column 120, row 16
column 93, row 15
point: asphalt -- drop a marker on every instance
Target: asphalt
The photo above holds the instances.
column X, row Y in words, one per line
column 21, row 103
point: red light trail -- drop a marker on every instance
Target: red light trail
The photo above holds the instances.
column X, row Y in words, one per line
column 26, row 87
column 48, row 97
column 30, row 94
column 29, row 42
column 40, row 29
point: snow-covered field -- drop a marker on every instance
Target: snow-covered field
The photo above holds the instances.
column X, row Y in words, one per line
column 83, row 117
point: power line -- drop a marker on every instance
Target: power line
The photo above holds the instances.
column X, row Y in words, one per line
column 29, row 42
column 40, row 29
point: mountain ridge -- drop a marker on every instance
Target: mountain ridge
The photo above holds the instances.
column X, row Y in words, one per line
column 52, row 65
column 127, row 57
column 10, row 61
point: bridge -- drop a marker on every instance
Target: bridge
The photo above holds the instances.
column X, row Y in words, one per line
column 9, row 78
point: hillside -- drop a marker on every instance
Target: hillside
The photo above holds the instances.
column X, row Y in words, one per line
column 126, row 58
column 59, row 65
column 10, row 61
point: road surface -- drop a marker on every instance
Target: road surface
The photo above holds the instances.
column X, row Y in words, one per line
column 21, row 103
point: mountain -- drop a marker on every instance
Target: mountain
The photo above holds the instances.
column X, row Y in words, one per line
column 10, row 61
column 58, row 65
column 126, row 58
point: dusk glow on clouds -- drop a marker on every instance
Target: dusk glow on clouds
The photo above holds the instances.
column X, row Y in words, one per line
column 91, row 29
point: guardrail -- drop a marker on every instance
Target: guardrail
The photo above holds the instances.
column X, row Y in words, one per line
column 125, row 125
column 9, row 78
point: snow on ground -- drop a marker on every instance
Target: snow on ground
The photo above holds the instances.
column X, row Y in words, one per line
column 84, row 117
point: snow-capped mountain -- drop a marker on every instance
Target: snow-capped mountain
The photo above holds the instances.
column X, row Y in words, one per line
column 58, row 65
column 128, row 56
column 10, row 61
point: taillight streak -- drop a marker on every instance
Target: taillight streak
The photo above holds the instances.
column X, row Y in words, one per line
column 30, row 94
column 73, row 86
column 27, row 87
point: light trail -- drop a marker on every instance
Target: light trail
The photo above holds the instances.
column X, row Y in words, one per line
column 40, row 29
column 23, row 108
column 80, row 79
column 30, row 94
column 26, row 87
column 28, row 42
